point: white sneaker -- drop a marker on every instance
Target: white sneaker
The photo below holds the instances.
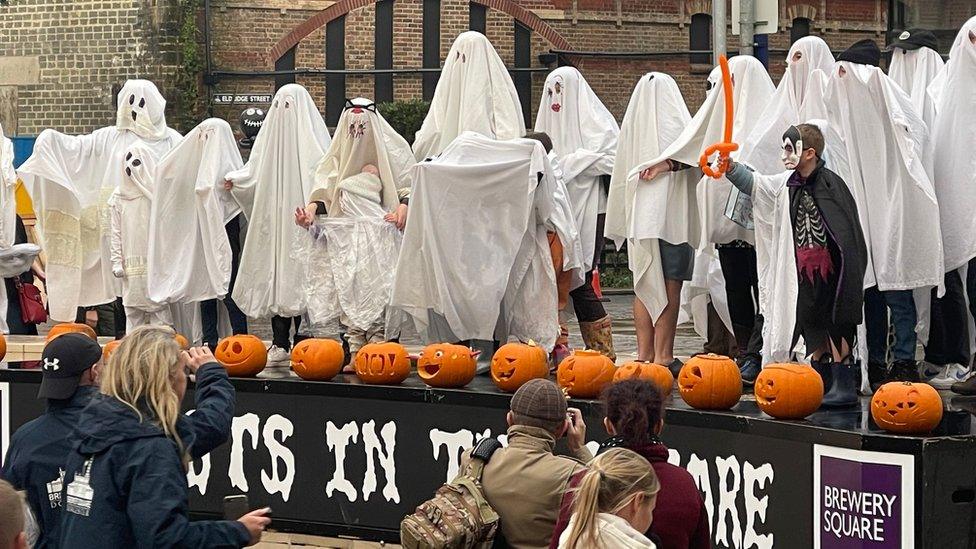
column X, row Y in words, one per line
column 951, row 374
column 277, row 355
column 927, row 370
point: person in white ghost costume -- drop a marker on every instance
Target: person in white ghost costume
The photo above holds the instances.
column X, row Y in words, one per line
column 885, row 141
column 475, row 260
column 658, row 219
column 953, row 134
column 474, row 93
column 130, row 207
column 363, row 185
column 278, row 176
column 723, row 240
column 584, row 142
column 70, row 178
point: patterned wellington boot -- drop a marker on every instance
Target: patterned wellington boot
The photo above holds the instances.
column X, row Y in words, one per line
column 598, row 336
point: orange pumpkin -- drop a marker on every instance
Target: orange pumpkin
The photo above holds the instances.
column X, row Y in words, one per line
column 710, row 382
column 447, row 365
column 317, row 359
column 70, row 328
column 3, row 346
column 789, row 391
column 242, row 355
column 110, row 348
column 659, row 375
column 906, row 408
column 182, row 341
column 585, row 373
column 516, row 363
column 382, row 363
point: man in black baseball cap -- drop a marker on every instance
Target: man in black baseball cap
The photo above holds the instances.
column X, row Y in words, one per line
column 35, row 458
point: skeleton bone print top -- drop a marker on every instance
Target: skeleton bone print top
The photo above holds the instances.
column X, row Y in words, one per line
column 811, row 237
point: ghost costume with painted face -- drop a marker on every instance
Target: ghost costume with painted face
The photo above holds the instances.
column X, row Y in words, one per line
column 70, row 179
column 278, row 176
column 475, row 93
column 130, row 207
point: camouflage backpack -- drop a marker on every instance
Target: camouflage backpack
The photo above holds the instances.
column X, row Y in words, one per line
column 458, row 516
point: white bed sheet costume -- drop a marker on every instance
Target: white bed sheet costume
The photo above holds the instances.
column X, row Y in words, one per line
column 475, row 93
column 350, row 266
column 914, row 71
column 70, row 179
column 8, row 209
column 584, row 140
column 643, row 212
column 278, row 177
column 475, row 261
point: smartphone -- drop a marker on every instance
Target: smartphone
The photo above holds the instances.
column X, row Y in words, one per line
column 236, row 506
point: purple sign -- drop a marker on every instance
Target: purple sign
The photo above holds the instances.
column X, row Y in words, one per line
column 861, row 500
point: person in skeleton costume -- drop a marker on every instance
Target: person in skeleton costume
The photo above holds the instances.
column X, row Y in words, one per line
column 752, row 90
column 813, row 273
column 658, row 219
column 474, row 93
column 885, row 140
column 278, row 175
column 479, row 194
column 584, row 139
column 70, row 179
column 190, row 253
column 953, row 135
column 130, row 207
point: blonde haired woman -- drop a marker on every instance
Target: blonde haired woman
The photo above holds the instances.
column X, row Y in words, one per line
column 614, row 504
column 125, row 480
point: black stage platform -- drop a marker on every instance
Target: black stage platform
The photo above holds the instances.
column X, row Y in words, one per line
column 343, row 458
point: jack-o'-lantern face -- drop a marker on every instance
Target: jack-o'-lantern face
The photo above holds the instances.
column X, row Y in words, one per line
column 317, row 359
column 656, row 374
column 242, row 355
column 584, row 374
column 382, row 363
column 789, row 391
column 514, row 364
column 909, row 408
column 710, row 382
column 251, row 121
column 69, row 328
column 446, row 365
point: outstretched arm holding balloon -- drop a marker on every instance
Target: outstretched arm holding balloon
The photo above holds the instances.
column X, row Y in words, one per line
column 726, row 147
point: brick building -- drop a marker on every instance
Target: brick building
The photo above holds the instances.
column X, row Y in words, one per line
column 60, row 62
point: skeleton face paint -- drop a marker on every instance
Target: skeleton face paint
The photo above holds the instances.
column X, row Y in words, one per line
column 555, row 94
column 792, row 148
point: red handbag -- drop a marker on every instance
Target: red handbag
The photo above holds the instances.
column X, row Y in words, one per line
column 32, row 309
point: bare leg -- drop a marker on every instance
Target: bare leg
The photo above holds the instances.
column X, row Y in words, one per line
column 645, row 332
column 667, row 324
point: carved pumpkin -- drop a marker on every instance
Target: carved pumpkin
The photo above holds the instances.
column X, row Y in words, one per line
column 516, row 363
column 110, row 348
column 3, row 346
column 70, row 328
column 242, row 355
column 789, row 391
column 659, row 375
column 710, row 382
column 182, row 342
column 317, row 359
column 584, row 374
column 446, row 365
column 906, row 408
column 382, row 363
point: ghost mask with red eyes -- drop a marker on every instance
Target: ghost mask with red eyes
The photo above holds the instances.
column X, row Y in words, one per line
column 142, row 110
column 792, row 148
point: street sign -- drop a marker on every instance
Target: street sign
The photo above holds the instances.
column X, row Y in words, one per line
column 767, row 16
column 241, row 98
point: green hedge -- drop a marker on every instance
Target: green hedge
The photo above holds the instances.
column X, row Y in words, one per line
column 405, row 116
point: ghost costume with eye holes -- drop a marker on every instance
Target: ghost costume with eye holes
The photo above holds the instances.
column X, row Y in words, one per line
column 914, row 71
column 278, row 177
column 474, row 93
column 70, row 179
column 584, row 139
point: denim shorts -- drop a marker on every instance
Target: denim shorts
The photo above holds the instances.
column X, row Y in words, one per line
column 677, row 260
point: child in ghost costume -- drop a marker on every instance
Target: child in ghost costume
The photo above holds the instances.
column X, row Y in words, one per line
column 885, row 140
column 130, row 207
column 278, row 175
column 474, row 93
column 953, row 133
column 70, row 179
column 584, row 140
column 723, row 240
column 813, row 272
column 658, row 219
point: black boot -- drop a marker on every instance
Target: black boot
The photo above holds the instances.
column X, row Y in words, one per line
column 822, row 367
column 966, row 387
column 876, row 374
column 749, row 368
column 903, row 370
column 843, row 387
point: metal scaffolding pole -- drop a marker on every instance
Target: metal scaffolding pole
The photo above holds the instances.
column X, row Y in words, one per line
column 747, row 26
column 719, row 21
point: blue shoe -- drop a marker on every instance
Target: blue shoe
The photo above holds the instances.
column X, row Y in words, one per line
column 749, row 369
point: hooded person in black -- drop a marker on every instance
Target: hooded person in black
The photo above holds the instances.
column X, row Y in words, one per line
column 829, row 254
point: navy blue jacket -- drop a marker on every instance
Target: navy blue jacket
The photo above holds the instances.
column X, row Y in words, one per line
column 36, row 456
column 125, row 483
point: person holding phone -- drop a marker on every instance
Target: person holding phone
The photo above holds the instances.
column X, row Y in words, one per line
column 125, row 479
